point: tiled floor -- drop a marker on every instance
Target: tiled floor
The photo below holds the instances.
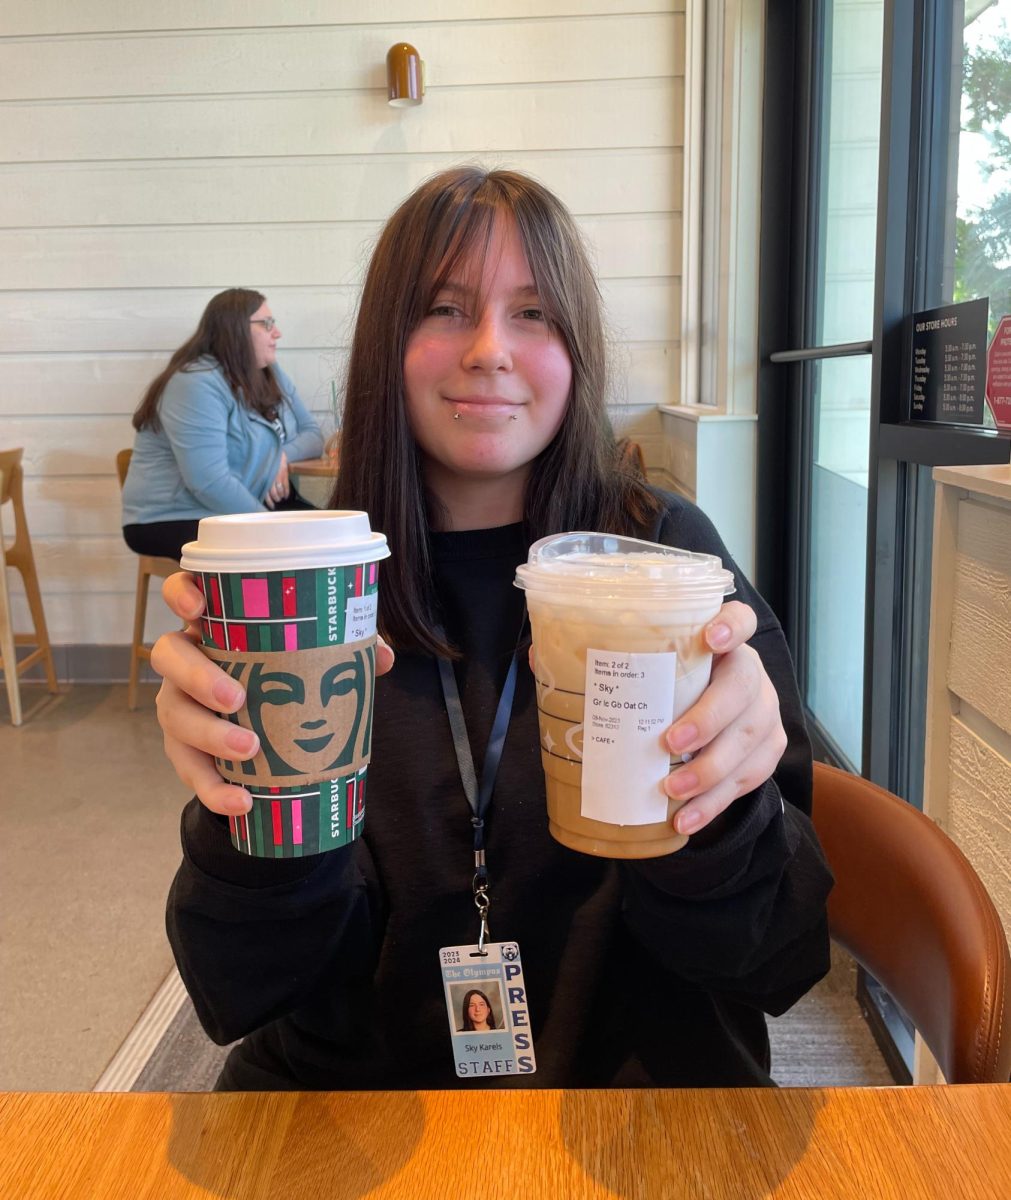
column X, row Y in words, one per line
column 89, row 809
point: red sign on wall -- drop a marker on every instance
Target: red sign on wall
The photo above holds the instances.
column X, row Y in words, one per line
column 998, row 374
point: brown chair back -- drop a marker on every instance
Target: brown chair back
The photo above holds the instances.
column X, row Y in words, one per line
column 148, row 565
column 10, row 475
column 18, row 554
column 123, row 465
column 630, row 457
column 12, row 488
column 909, row 907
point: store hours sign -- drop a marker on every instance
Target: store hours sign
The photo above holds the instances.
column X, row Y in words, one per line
column 949, row 363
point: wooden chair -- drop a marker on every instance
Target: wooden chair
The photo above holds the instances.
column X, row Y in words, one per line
column 909, row 907
column 148, row 565
column 18, row 554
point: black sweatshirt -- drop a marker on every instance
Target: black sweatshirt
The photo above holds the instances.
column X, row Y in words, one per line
column 638, row 973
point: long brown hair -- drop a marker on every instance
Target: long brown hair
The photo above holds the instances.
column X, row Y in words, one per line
column 575, row 483
column 223, row 334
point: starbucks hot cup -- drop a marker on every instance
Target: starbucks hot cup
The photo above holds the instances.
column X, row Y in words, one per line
column 291, row 603
column 619, row 655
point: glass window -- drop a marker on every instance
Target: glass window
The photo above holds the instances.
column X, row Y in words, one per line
column 838, row 552
column 978, row 251
column 840, row 397
column 851, row 119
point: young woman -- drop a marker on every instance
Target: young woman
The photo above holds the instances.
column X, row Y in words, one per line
column 216, row 429
column 476, row 1012
column 474, row 423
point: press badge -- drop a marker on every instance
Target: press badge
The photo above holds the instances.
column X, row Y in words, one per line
column 489, row 1019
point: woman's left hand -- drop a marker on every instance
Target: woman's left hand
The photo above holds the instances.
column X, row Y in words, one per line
column 280, row 489
column 733, row 731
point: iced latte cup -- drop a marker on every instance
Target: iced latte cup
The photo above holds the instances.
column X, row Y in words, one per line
column 619, row 655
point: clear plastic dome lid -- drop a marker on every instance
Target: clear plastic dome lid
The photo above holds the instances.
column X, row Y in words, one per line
column 605, row 564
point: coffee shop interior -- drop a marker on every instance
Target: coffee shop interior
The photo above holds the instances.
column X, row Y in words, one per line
column 770, row 192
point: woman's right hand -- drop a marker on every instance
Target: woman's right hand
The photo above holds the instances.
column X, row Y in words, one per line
column 193, row 691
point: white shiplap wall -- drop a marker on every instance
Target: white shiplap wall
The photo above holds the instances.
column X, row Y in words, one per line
column 152, row 154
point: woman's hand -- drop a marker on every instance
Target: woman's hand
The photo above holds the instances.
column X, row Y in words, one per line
column 733, row 732
column 280, row 489
column 193, row 692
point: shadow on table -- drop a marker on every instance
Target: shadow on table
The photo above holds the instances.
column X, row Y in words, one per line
column 664, row 1144
column 326, row 1145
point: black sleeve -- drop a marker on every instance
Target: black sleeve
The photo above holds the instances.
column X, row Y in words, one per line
column 252, row 937
column 740, row 910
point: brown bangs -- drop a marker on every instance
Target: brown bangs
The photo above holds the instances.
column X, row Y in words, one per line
column 459, row 241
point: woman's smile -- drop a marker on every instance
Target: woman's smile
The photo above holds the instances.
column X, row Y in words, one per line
column 485, row 407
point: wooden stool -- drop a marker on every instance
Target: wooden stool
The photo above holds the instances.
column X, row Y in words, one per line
column 18, row 554
column 148, row 565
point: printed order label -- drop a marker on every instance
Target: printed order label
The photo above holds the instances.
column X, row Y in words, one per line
column 629, row 703
column 360, row 617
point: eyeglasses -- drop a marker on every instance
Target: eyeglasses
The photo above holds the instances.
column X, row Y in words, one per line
column 268, row 323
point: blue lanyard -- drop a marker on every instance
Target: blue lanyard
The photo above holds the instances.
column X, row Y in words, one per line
column 479, row 797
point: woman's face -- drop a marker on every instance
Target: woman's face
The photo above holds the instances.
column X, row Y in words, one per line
column 478, row 1010
column 264, row 340
column 486, row 381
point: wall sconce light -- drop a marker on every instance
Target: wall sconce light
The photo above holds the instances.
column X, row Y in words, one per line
column 405, row 75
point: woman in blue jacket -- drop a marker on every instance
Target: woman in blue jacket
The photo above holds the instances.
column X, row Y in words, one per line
column 216, row 429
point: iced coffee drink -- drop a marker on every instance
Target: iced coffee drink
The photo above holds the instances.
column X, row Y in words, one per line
column 619, row 655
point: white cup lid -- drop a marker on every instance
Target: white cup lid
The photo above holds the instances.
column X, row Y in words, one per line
column 606, row 565
column 271, row 541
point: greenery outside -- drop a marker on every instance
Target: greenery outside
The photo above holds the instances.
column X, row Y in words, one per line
column 983, row 220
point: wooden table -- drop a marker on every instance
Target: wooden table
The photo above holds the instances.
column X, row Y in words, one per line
column 816, row 1144
column 315, row 468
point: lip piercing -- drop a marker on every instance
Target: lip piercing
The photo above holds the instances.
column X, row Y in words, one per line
column 512, row 416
